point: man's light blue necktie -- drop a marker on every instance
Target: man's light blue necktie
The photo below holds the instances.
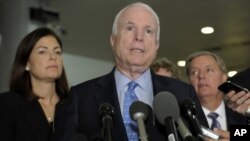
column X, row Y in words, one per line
column 215, row 122
column 131, row 126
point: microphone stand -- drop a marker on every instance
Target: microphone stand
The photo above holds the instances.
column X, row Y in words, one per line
column 107, row 112
column 171, row 130
column 107, row 129
column 142, row 131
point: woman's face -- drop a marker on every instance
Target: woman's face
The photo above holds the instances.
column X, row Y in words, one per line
column 45, row 62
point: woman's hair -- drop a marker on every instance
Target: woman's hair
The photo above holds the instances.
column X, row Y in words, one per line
column 166, row 64
column 20, row 80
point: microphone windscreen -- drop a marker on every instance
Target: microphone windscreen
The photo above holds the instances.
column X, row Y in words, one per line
column 187, row 106
column 165, row 105
column 106, row 109
column 188, row 110
column 138, row 109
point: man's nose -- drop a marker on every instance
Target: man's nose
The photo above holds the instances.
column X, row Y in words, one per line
column 202, row 74
column 139, row 35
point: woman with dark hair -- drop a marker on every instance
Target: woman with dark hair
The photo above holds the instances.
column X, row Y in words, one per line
column 38, row 89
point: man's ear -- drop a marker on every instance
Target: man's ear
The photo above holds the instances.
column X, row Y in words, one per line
column 112, row 40
column 157, row 45
column 224, row 77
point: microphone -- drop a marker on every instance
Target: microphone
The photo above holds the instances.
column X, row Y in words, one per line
column 106, row 112
column 139, row 112
column 188, row 110
column 167, row 111
column 184, row 131
column 79, row 137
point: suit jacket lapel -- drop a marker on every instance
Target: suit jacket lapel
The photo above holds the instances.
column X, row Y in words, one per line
column 107, row 93
column 234, row 118
column 158, row 87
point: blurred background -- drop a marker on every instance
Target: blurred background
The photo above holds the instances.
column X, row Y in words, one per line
column 85, row 26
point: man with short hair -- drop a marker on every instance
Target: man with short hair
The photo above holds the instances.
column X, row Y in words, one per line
column 206, row 71
column 134, row 41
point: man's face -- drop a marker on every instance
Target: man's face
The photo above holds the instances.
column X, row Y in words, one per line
column 205, row 75
column 135, row 44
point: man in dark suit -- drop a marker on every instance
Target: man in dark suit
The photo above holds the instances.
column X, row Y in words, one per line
column 206, row 71
column 134, row 41
column 242, row 78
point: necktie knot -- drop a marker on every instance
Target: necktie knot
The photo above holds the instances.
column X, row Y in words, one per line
column 215, row 123
column 132, row 85
column 213, row 115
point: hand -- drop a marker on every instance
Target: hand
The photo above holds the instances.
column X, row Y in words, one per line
column 224, row 135
column 238, row 102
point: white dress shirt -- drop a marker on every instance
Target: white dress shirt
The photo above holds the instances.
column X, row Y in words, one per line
column 222, row 119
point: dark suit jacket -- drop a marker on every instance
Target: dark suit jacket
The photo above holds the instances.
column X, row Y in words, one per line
column 234, row 118
column 22, row 120
column 242, row 78
column 82, row 115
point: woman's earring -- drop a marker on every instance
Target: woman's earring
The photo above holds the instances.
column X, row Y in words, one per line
column 27, row 68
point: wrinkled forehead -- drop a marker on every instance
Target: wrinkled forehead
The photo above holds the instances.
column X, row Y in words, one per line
column 205, row 61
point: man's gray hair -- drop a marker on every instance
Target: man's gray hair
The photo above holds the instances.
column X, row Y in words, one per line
column 217, row 58
column 115, row 24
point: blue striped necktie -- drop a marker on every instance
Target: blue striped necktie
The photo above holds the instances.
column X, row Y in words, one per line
column 215, row 123
column 130, row 125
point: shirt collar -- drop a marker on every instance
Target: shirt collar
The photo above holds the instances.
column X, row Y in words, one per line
column 122, row 80
column 220, row 110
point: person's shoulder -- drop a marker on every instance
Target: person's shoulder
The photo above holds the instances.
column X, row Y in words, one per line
column 9, row 98
column 94, row 82
column 182, row 90
column 235, row 117
column 7, row 95
column 170, row 80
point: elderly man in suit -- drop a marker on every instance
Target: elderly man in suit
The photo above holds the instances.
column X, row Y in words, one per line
column 134, row 41
column 206, row 71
